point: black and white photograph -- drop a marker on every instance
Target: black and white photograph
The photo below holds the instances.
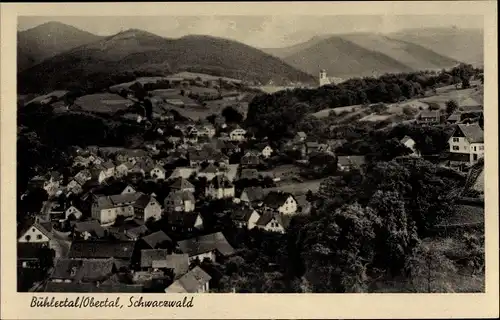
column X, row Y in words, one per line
column 250, row 154
column 165, row 155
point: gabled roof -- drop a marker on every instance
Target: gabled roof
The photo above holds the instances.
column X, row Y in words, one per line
column 153, row 239
column 276, row 199
column 191, row 282
column 242, row 214
column 183, row 219
column 180, row 196
column 249, row 174
column 85, row 270
column 180, row 183
column 160, row 258
column 472, row 132
column 143, row 201
column 44, row 227
column 137, row 231
column 101, row 249
column 206, row 243
column 126, row 198
column 220, row 181
column 108, row 164
column 254, row 193
column 92, row 226
column 302, row 134
column 267, row 216
column 210, row 168
column 455, row 116
column 405, row 139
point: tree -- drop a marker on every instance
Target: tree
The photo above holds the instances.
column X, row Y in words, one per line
column 428, row 270
column 231, row 115
column 451, row 106
column 338, row 247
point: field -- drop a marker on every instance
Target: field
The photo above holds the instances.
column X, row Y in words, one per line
column 299, row 187
column 103, row 103
column 326, row 112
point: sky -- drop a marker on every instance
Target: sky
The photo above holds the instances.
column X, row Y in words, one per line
column 257, row 31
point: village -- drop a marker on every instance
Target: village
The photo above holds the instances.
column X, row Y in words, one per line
column 144, row 219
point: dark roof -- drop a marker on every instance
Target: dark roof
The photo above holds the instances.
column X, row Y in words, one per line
column 254, row 193
column 28, row 250
column 190, row 282
column 405, row 139
column 160, row 258
column 85, row 270
column 182, row 219
column 269, row 215
column 211, row 168
column 181, row 183
column 92, row 227
column 472, row 132
column 44, row 227
column 92, row 287
column 455, row 116
column 198, row 155
column 137, row 231
column 220, row 181
column 302, row 201
column 430, row 114
column 156, row 238
column 180, row 196
column 242, row 214
column 250, row 158
column 143, row 201
column 101, row 249
column 276, row 199
column 458, row 157
column 206, row 243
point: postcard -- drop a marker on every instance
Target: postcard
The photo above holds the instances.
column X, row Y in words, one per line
column 265, row 160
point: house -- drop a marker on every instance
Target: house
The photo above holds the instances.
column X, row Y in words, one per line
column 98, row 174
column 180, row 201
column 156, row 240
column 120, row 250
column 314, row 146
column 28, row 255
column 429, row 117
column 196, row 158
column 86, row 230
column 183, row 172
column 109, row 168
column 74, row 187
column 195, row 281
column 206, row 130
column 121, row 170
column 135, row 233
column 455, row 117
column 346, row 163
column 253, row 195
column 83, row 270
column 237, row 134
column 106, row 211
column 181, row 184
column 468, row 139
column 410, row 144
column 264, row 150
column 128, row 189
column 158, row 173
column 245, row 217
column 147, row 207
column 282, row 202
column 250, row 159
column 273, row 221
column 158, row 259
column 77, row 214
column 220, row 188
column 37, row 232
column 209, row 246
column 301, row 136
column 83, row 176
column 303, row 204
column 185, row 222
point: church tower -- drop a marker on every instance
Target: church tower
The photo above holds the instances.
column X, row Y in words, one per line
column 323, row 79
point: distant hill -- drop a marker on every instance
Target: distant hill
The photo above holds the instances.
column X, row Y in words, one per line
column 140, row 51
column 48, row 40
column 465, row 45
column 362, row 54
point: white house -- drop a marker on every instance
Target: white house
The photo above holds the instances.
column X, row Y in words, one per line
column 158, row 173
column 128, row 189
column 74, row 211
column 281, row 201
column 272, row 221
column 195, row 281
column 237, row 134
column 36, row 233
column 410, row 144
column 468, row 139
column 220, row 187
column 147, row 207
column 180, row 201
column 245, row 218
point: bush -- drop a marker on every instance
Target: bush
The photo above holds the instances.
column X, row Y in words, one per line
column 408, row 111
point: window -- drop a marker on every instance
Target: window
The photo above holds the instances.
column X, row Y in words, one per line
column 28, row 238
column 474, row 148
column 39, row 237
column 33, row 230
column 456, row 148
column 456, row 140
